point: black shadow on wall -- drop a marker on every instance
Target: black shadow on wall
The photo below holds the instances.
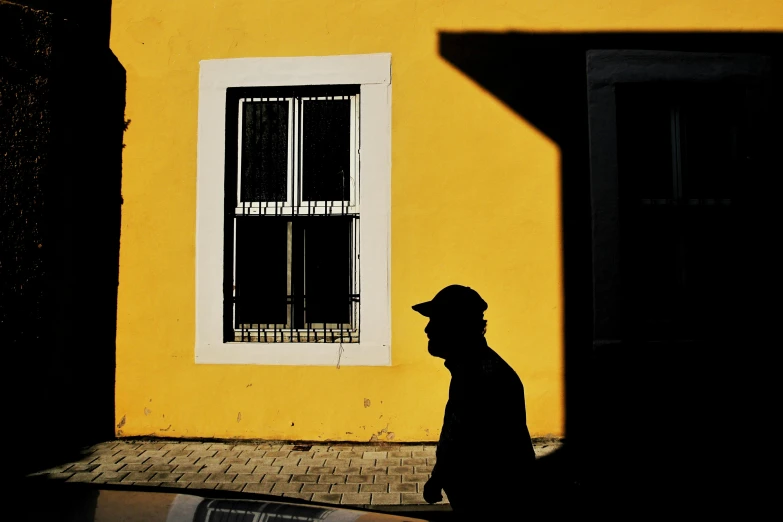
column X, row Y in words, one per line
column 543, row 78
column 62, row 117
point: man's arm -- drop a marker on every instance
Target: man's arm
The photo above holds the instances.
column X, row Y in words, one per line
column 445, row 453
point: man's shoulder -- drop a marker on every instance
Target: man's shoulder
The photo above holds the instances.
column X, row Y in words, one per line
column 494, row 366
column 493, row 361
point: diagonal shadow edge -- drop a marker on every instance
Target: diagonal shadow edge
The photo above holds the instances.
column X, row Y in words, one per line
column 542, row 77
column 520, row 68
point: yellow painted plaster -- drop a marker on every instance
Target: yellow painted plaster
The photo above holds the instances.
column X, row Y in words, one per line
column 447, row 134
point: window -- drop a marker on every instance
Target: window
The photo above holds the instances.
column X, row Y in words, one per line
column 680, row 147
column 292, row 238
column 293, row 211
column 673, row 136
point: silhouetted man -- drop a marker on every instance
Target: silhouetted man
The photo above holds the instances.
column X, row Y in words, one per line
column 486, row 406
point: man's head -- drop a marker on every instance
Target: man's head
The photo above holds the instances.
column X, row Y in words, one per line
column 456, row 316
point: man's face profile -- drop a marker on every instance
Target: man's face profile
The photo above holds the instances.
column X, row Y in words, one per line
column 443, row 334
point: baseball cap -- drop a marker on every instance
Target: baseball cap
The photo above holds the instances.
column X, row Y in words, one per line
column 453, row 300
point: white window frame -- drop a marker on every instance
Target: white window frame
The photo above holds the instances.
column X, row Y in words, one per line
column 372, row 72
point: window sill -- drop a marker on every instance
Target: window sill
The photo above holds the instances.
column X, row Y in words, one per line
column 295, row 354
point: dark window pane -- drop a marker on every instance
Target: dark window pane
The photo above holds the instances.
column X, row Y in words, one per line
column 652, row 272
column 677, row 258
column 644, row 136
column 328, row 259
column 261, row 270
column 711, row 143
column 264, row 151
column 326, row 154
column 710, row 268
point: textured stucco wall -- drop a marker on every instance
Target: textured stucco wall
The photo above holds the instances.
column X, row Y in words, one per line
column 475, row 200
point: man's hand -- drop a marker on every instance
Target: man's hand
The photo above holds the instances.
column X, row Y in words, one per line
column 432, row 492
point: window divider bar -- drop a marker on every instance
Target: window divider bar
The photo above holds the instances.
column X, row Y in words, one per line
column 289, row 272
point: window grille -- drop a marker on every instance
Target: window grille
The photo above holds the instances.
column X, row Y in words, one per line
column 292, row 215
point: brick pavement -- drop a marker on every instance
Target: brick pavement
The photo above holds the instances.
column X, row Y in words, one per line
column 351, row 474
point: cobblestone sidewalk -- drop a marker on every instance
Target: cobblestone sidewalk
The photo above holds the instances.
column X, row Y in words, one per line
column 357, row 475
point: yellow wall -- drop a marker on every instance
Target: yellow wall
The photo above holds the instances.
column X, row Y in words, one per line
column 510, row 253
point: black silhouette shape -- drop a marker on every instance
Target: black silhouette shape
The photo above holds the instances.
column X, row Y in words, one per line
column 484, row 392
column 61, row 136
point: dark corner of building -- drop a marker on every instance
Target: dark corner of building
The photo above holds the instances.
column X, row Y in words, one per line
column 62, row 115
